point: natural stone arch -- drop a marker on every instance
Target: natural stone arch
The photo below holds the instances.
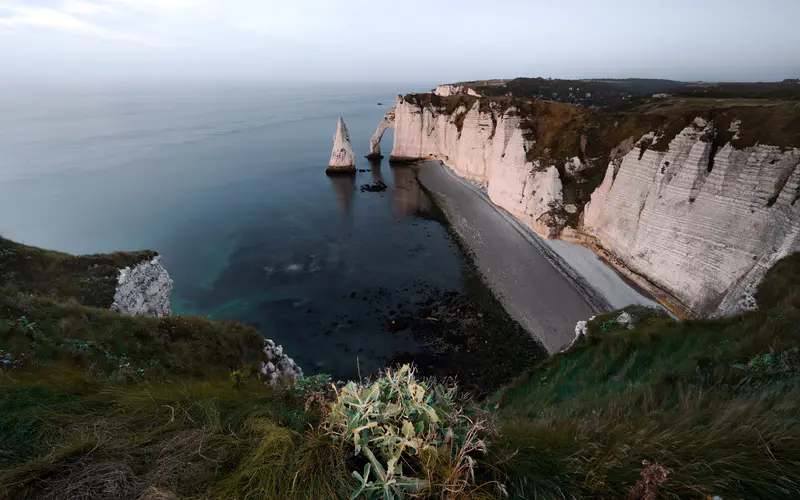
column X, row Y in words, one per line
column 375, row 142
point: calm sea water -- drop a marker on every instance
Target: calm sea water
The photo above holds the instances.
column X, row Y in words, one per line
column 228, row 183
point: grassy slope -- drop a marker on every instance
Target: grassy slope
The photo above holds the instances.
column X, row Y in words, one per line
column 37, row 328
column 713, row 401
column 66, row 436
column 100, row 405
column 684, row 396
column 89, row 279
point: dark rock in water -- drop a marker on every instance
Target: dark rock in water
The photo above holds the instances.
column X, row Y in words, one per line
column 380, row 104
column 374, row 157
column 363, row 170
column 375, row 187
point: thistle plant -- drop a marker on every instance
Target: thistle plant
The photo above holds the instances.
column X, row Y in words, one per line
column 390, row 422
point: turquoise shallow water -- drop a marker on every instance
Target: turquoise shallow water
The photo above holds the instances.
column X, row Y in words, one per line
column 228, row 183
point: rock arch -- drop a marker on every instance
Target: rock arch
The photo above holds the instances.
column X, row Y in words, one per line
column 375, row 142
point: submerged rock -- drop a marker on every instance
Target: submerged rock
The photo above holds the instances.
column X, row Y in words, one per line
column 342, row 157
column 375, row 187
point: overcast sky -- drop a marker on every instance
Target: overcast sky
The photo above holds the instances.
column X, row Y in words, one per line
column 412, row 40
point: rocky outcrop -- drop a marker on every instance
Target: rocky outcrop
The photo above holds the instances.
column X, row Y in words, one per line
column 342, row 157
column 375, row 141
column 143, row 290
column 278, row 365
column 700, row 224
column 488, row 147
column 453, row 89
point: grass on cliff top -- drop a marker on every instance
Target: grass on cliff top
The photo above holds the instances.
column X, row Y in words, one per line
column 710, row 405
column 89, row 279
column 66, row 436
column 35, row 329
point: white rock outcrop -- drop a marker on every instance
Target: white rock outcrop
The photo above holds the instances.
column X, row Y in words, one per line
column 143, row 290
column 488, row 148
column 278, row 365
column 704, row 229
column 342, row 157
column 449, row 89
column 626, row 320
column 375, row 141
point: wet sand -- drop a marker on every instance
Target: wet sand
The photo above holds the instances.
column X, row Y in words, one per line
column 546, row 286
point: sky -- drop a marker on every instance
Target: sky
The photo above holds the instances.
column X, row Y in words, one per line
column 412, row 40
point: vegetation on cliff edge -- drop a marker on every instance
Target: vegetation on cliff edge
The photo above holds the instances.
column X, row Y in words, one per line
column 664, row 410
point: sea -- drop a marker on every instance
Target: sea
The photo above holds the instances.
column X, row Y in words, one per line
column 227, row 182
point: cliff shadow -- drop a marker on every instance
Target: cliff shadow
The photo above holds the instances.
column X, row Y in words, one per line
column 409, row 197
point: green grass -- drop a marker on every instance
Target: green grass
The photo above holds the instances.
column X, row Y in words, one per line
column 715, row 402
column 98, row 405
column 65, row 436
column 36, row 329
column 89, row 279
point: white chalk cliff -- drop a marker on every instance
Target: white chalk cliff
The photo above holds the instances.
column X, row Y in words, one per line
column 489, row 148
column 449, row 89
column 699, row 238
column 375, row 141
column 143, row 290
column 704, row 237
column 342, row 157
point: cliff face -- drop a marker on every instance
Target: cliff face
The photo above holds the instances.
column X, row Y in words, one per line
column 702, row 225
column 485, row 146
column 697, row 223
column 143, row 290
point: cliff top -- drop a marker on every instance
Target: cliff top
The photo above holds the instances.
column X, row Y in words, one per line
column 610, row 92
column 88, row 279
column 99, row 405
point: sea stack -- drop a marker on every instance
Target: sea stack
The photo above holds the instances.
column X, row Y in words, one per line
column 342, row 158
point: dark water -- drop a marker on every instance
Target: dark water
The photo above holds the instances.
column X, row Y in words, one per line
column 228, row 184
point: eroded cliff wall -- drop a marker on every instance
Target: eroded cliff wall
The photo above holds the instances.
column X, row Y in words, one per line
column 700, row 224
column 486, row 146
column 696, row 220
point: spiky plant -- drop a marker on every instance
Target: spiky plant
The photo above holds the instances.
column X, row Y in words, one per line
column 390, row 422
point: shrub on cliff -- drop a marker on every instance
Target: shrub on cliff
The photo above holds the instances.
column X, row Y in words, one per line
column 407, row 431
